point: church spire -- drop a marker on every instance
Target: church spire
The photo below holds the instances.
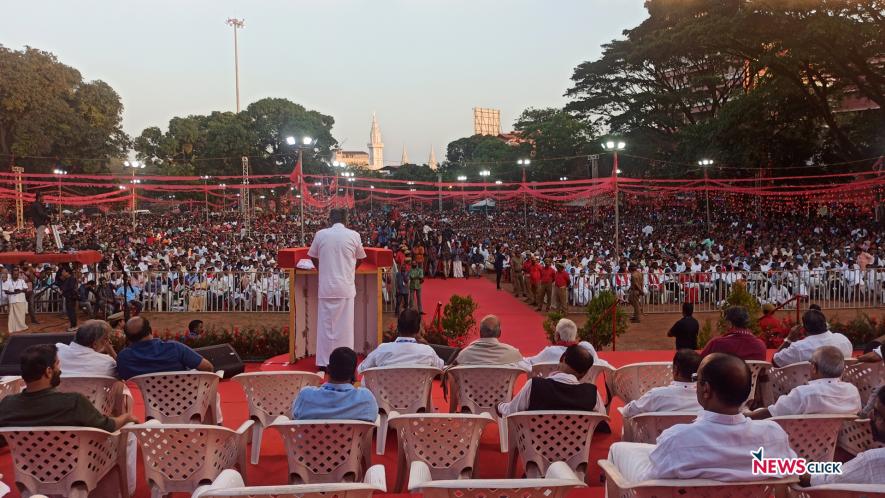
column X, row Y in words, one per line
column 432, row 162
column 405, row 158
column 376, row 146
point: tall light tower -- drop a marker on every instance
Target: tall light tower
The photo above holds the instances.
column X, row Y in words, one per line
column 614, row 147
column 245, row 205
column 705, row 164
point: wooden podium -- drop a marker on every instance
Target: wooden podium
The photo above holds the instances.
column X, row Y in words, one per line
column 368, row 306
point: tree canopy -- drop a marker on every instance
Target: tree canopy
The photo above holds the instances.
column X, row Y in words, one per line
column 51, row 117
column 213, row 144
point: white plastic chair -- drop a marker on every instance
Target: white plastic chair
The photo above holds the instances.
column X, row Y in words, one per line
column 757, row 369
column 180, row 457
column 4, row 489
column 646, row 427
column 558, row 481
column 179, row 397
column 67, row 461
column 813, row 437
column 100, row 390
column 13, row 385
column 544, row 369
column 229, row 484
column 479, row 389
column 782, row 380
column 617, row 486
column 271, row 394
column 326, row 451
column 543, row 437
column 402, row 389
column 630, row 382
column 447, row 442
column 838, row 491
column 856, row 436
column 866, row 377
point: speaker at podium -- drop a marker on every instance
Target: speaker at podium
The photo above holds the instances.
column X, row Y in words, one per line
column 368, row 304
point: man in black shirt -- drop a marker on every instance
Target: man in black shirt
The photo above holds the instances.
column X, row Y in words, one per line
column 40, row 216
column 686, row 329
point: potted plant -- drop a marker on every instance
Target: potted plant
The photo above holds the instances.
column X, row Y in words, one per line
column 449, row 331
column 598, row 328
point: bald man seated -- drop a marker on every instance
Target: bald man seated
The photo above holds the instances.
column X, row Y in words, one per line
column 146, row 354
column 718, row 443
column 489, row 350
column 825, row 393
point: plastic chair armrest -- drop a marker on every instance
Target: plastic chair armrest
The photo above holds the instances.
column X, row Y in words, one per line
column 376, row 478
column 419, row 475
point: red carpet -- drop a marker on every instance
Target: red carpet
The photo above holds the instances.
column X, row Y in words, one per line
column 521, row 327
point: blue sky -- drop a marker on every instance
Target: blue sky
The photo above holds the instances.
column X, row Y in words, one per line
column 422, row 65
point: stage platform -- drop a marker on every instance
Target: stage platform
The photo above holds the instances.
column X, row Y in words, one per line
column 82, row 257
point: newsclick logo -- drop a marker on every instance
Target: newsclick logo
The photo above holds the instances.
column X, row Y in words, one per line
column 791, row 466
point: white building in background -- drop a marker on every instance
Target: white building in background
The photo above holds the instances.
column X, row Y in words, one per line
column 486, row 121
column 376, row 146
column 355, row 158
column 432, row 162
column 405, row 158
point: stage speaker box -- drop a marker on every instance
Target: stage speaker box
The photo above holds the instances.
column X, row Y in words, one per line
column 446, row 353
column 10, row 362
column 223, row 357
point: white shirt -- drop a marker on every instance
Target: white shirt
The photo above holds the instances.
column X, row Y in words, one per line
column 13, row 285
column 74, row 359
column 552, row 354
column 520, row 402
column 717, row 446
column 675, row 397
column 402, row 351
column 802, row 350
column 818, row 396
column 337, row 248
column 865, row 468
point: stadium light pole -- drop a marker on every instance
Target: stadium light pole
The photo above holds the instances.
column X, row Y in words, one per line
column 614, row 148
column 133, row 165
column 205, row 179
column 485, row 178
column 462, row 179
column 305, row 144
column 524, row 163
column 59, row 173
column 705, row 164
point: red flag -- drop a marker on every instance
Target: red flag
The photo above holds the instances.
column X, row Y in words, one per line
column 295, row 177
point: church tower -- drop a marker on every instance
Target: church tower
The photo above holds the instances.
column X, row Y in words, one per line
column 376, row 146
column 405, row 158
column 432, row 162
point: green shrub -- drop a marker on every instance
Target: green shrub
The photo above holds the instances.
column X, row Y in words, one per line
column 739, row 296
column 457, row 322
column 705, row 334
column 860, row 330
column 598, row 328
column 251, row 344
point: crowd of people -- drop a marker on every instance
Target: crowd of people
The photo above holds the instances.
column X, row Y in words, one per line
column 554, row 258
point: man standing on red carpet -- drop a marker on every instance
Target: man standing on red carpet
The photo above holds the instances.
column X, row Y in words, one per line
column 336, row 252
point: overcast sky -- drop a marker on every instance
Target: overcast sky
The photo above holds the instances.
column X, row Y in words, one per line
column 422, row 65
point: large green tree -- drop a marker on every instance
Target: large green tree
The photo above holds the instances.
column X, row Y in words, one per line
column 470, row 155
column 559, row 139
column 778, row 70
column 48, row 110
column 213, row 144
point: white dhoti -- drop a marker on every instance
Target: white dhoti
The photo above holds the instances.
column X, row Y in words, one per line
column 17, row 314
column 632, row 460
column 334, row 327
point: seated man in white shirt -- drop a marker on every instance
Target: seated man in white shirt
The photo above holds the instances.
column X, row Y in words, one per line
column 561, row 390
column 825, row 393
column 489, row 350
column 91, row 354
column 817, row 335
column 405, row 350
column 715, row 446
column 681, row 395
column 866, row 467
column 566, row 335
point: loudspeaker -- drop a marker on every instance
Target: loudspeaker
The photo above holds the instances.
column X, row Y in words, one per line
column 223, row 357
column 446, row 353
column 10, row 357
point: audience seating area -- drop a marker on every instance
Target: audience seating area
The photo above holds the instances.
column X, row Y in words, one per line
column 182, row 451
